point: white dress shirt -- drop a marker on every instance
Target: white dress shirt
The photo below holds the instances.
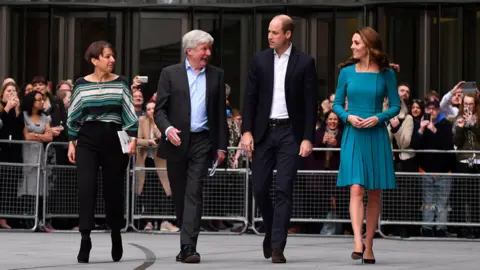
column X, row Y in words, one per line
column 279, row 102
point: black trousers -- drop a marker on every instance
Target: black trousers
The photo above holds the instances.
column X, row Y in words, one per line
column 186, row 179
column 278, row 149
column 98, row 146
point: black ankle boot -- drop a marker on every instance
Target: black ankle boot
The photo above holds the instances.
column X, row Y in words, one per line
column 85, row 247
column 117, row 248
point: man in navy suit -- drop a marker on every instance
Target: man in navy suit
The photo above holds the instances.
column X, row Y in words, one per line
column 278, row 129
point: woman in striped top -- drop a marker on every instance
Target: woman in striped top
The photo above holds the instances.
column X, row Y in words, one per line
column 101, row 104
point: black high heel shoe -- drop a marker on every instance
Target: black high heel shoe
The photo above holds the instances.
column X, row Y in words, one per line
column 358, row 255
column 117, row 248
column 369, row 261
column 84, row 253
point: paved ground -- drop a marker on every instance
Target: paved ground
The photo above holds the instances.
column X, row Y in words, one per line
column 147, row 251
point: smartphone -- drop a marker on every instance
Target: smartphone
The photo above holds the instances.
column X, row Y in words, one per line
column 426, row 116
column 470, row 88
column 465, row 110
column 143, row 79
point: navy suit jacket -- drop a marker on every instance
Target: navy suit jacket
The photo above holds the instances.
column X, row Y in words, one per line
column 301, row 95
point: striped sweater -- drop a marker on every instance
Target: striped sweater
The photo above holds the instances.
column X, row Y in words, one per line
column 106, row 102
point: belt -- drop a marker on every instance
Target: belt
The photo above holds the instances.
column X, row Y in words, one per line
column 278, row 122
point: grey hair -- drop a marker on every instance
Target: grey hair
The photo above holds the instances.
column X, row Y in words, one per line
column 227, row 90
column 194, row 38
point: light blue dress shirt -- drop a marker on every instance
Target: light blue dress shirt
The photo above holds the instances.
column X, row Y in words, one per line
column 197, row 84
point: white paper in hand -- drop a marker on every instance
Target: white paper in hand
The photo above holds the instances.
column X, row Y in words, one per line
column 124, row 140
column 214, row 168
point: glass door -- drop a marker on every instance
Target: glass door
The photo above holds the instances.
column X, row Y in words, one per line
column 82, row 29
column 157, row 43
column 232, row 49
column 32, row 51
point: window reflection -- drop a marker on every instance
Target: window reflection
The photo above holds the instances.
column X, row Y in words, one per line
column 449, row 42
column 88, row 30
column 322, row 61
column 477, row 73
column 30, row 55
column 229, row 54
column 401, row 41
column 158, row 50
column 345, row 26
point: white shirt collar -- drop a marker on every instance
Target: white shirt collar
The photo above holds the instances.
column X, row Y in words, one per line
column 287, row 52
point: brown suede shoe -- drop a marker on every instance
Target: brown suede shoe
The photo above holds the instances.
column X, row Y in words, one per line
column 277, row 256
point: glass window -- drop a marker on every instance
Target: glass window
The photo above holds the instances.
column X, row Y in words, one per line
column 401, row 41
column 88, row 30
column 234, row 55
column 158, row 50
column 323, row 59
column 30, row 49
column 477, row 69
column 346, row 23
column 446, row 64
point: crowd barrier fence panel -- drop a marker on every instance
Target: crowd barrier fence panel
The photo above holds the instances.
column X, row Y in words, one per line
column 432, row 200
column 316, row 199
column 21, row 183
column 225, row 196
column 61, row 201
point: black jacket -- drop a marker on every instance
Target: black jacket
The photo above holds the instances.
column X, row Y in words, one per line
column 173, row 109
column 441, row 140
column 12, row 129
column 300, row 95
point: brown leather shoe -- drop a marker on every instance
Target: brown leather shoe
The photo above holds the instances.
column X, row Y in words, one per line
column 277, row 256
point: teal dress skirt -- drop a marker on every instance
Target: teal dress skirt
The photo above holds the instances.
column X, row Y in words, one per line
column 366, row 154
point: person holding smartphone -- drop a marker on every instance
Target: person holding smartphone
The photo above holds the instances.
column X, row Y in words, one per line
column 11, row 118
column 466, row 191
column 434, row 132
column 451, row 101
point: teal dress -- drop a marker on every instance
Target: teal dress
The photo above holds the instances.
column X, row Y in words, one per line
column 366, row 154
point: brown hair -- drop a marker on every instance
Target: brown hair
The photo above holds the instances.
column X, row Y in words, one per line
column 2, row 91
column 476, row 109
column 95, row 50
column 62, row 82
column 236, row 112
column 4, row 87
column 432, row 94
column 374, row 47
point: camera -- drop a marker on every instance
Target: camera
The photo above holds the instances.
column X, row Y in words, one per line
column 143, row 79
column 427, row 116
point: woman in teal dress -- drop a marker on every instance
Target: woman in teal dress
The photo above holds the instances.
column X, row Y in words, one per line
column 366, row 155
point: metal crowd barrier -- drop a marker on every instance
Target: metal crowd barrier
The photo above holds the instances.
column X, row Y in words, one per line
column 432, row 201
column 61, row 200
column 20, row 182
column 316, row 199
column 225, row 195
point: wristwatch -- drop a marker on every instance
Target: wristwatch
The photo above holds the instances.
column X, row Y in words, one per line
column 73, row 142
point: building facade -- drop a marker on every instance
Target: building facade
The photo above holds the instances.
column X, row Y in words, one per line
column 436, row 44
